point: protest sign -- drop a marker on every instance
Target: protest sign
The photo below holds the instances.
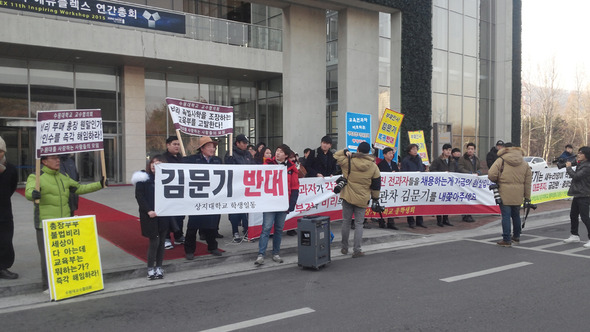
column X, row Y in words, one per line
column 388, row 131
column 194, row 118
column 73, row 256
column 199, row 189
column 417, row 137
column 549, row 184
column 358, row 129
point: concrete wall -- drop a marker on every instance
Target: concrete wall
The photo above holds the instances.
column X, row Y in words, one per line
column 502, row 116
column 133, row 94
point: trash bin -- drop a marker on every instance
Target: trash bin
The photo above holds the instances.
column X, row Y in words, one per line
column 313, row 244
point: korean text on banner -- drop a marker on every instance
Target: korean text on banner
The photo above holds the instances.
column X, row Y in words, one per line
column 549, row 184
column 358, row 129
column 73, row 256
column 194, row 118
column 189, row 189
column 417, row 137
column 388, row 129
column 72, row 131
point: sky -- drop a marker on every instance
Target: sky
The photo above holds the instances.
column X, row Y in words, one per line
column 556, row 29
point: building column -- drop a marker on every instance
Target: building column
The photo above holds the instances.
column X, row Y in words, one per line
column 304, row 76
column 395, row 93
column 358, row 67
column 133, row 94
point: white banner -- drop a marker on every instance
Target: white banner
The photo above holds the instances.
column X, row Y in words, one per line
column 549, row 184
column 200, row 189
column 60, row 132
column 194, row 118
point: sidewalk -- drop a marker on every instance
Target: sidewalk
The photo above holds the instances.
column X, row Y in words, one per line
column 118, row 265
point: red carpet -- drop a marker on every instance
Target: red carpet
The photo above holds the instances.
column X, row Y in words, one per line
column 123, row 230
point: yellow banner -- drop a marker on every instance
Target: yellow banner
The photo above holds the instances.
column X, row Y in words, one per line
column 417, row 137
column 73, row 256
column 388, row 128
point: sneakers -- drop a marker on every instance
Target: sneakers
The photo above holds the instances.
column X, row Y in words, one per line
column 159, row 273
column 180, row 240
column 215, row 252
column 259, row 261
column 516, row 240
column 237, row 238
column 151, row 273
column 572, row 239
column 358, row 254
column 344, row 251
column 587, row 245
column 168, row 245
column 277, row 258
column 503, row 243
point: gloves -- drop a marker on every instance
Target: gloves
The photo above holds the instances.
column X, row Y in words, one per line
column 36, row 194
column 104, row 182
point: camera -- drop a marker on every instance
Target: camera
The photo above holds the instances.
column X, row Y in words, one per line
column 494, row 188
column 340, row 183
column 560, row 162
column 376, row 207
column 529, row 205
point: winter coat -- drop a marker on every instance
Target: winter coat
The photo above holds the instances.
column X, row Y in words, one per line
column 171, row 158
column 385, row 167
column 514, row 179
column 440, row 165
column 239, row 157
column 67, row 166
column 566, row 156
column 55, row 194
column 412, row 164
column 209, row 221
column 491, row 156
column 8, row 181
column 364, row 175
column 144, row 194
column 292, row 180
column 580, row 186
column 319, row 162
column 466, row 165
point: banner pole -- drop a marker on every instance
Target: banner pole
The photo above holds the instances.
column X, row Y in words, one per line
column 37, row 176
column 231, row 144
column 103, row 164
column 181, row 144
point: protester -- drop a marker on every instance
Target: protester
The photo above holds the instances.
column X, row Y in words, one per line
column 388, row 165
column 152, row 226
column 206, row 224
column 455, row 157
column 580, row 190
column 469, row 163
column 53, row 198
column 363, row 184
column 443, row 164
column 240, row 156
column 68, row 166
column 277, row 218
column 413, row 163
column 568, row 154
column 173, row 155
column 321, row 162
column 493, row 154
column 8, row 181
column 513, row 176
column 252, row 150
column 265, row 154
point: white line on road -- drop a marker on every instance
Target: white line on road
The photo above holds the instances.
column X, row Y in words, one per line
column 261, row 320
column 484, row 272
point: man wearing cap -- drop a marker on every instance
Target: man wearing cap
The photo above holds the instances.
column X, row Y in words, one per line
column 364, row 184
column 240, row 156
column 469, row 163
column 493, row 154
column 206, row 224
column 443, row 163
column 172, row 156
column 8, row 180
column 321, row 162
column 388, row 165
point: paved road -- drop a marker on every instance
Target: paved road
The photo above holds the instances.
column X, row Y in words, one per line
column 464, row 285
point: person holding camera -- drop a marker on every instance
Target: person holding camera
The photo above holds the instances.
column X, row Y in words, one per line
column 363, row 184
column 580, row 190
column 513, row 176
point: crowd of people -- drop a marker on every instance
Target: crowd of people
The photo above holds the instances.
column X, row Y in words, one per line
column 56, row 196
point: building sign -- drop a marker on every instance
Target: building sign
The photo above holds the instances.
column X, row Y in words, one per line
column 60, row 132
column 73, row 256
column 199, row 189
column 389, row 129
column 194, row 118
column 103, row 11
column 358, row 129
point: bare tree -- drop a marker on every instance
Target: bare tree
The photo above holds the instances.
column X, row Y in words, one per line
column 549, row 103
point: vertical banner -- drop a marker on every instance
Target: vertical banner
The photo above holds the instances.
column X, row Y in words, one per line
column 73, row 256
column 358, row 129
column 388, row 129
column 70, row 131
column 417, row 137
column 194, row 118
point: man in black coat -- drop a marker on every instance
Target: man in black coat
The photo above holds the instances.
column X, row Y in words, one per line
column 444, row 163
column 8, row 180
column 173, row 155
column 388, row 165
column 321, row 162
column 493, row 154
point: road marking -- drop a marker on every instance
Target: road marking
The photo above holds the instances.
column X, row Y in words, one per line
column 571, row 251
column 484, row 272
column 550, row 245
column 261, row 320
column 532, row 240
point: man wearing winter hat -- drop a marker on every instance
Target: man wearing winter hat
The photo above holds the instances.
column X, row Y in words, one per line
column 364, row 184
column 493, row 154
column 8, row 179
